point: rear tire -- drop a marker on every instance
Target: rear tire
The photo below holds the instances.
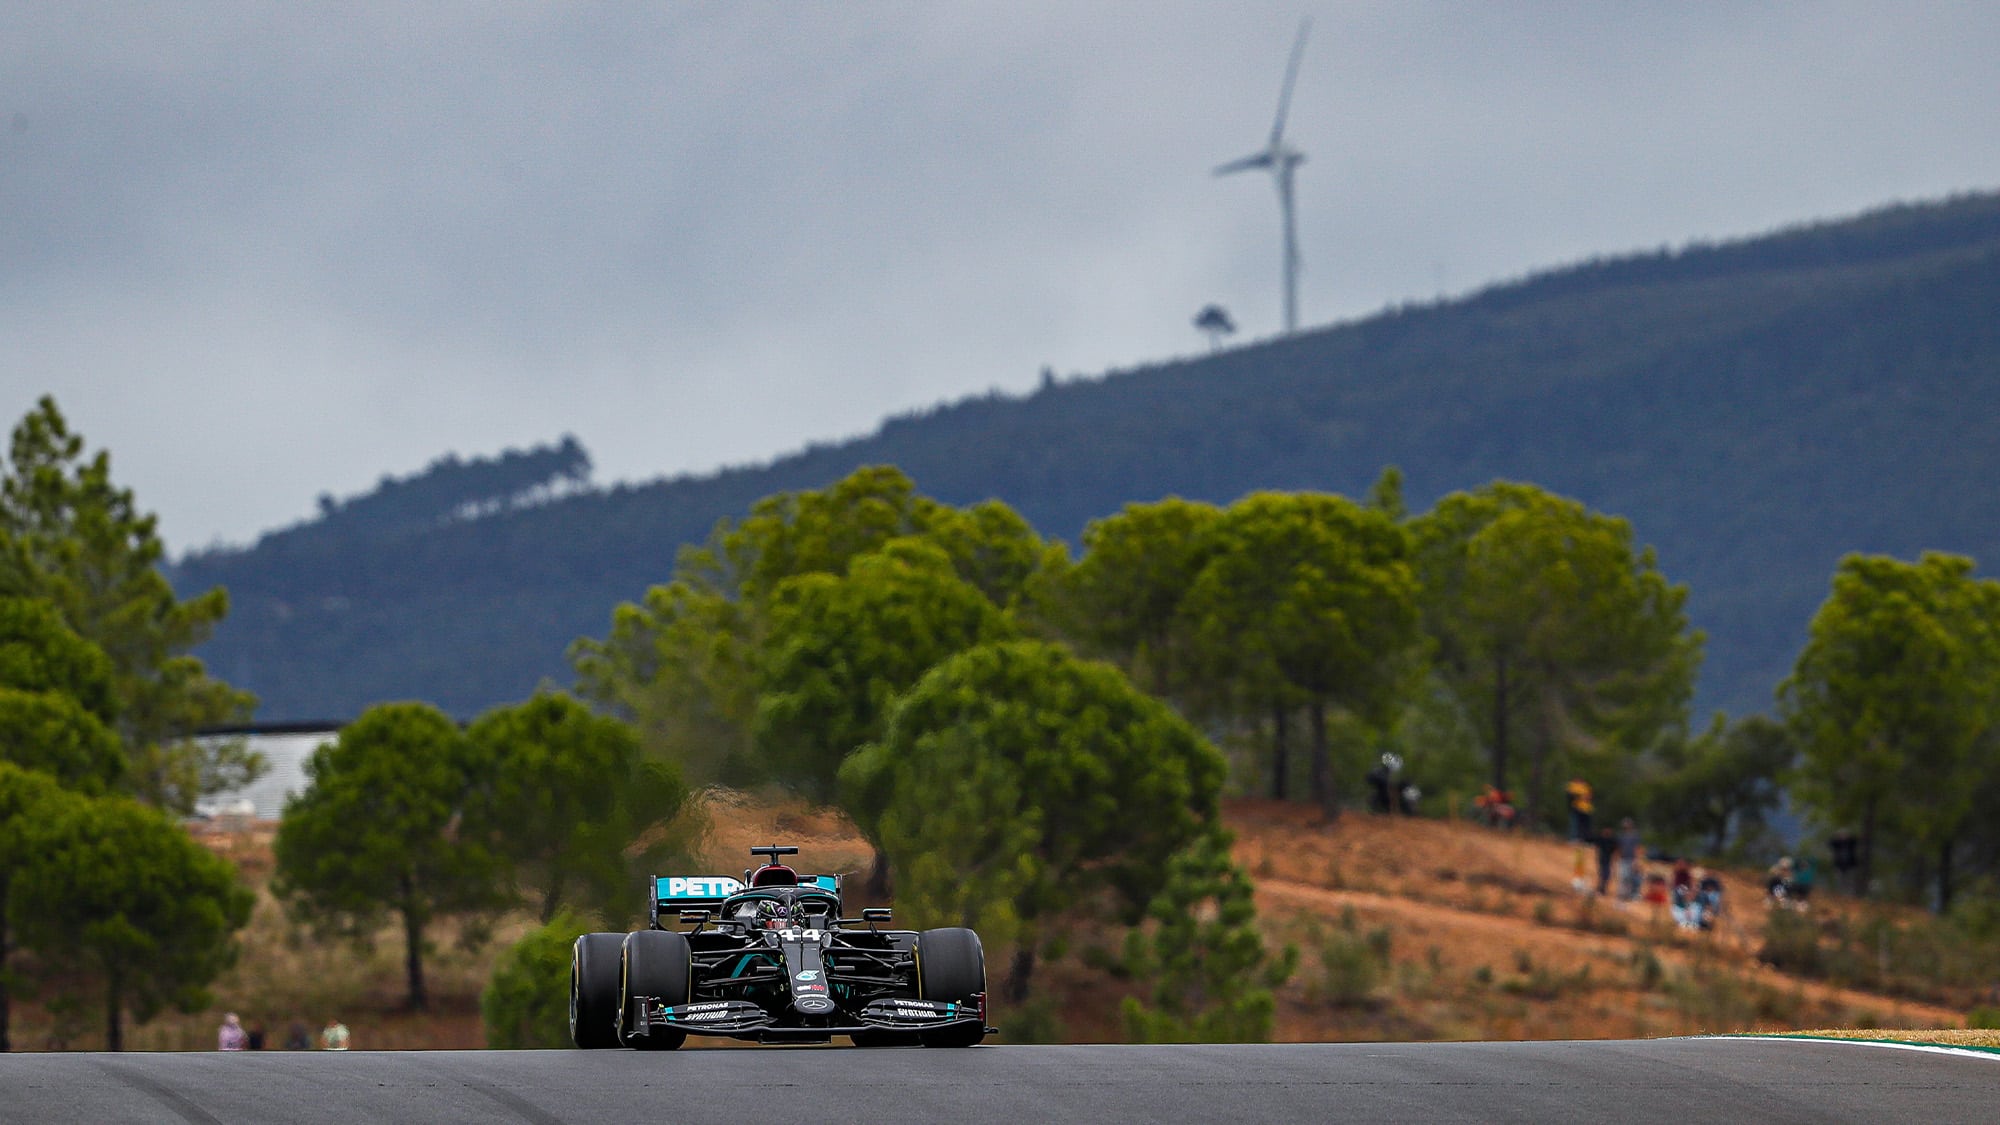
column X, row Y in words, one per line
column 655, row 963
column 593, row 991
column 951, row 966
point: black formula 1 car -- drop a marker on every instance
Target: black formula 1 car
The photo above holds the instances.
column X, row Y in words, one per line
column 769, row 958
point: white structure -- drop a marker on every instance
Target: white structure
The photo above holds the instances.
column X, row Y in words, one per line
column 286, row 753
column 1282, row 160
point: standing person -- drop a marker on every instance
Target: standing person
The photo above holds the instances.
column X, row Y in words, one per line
column 256, row 1036
column 334, row 1036
column 230, row 1036
column 1380, row 779
column 1607, row 847
column 1846, row 859
column 1683, row 893
column 1628, row 860
column 1580, row 808
column 298, row 1037
column 1802, row 883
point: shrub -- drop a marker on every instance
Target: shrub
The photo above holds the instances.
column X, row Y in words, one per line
column 1791, row 944
column 1351, row 968
column 526, row 1003
column 1038, row 1020
column 1646, row 964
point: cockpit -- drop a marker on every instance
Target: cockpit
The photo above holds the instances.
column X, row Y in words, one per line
column 782, row 908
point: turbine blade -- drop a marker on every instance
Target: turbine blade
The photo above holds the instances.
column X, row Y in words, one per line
column 1291, row 77
column 1261, row 160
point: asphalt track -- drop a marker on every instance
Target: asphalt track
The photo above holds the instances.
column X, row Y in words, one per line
column 1666, row 1080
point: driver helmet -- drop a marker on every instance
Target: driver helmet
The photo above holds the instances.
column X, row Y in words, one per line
column 773, row 915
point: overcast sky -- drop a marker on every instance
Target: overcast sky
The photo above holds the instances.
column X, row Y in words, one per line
column 264, row 251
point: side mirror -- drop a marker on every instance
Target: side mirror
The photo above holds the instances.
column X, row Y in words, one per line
column 875, row 914
column 698, row 917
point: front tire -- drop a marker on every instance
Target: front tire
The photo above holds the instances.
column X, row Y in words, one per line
column 655, row 963
column 593, row 991
column 951, row 966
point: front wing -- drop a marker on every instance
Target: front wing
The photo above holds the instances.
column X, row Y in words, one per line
column 743, row 1019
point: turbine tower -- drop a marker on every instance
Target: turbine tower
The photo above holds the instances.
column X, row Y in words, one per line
column 1282, row 160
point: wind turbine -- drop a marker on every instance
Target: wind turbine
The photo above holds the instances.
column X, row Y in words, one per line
column 1282, row 159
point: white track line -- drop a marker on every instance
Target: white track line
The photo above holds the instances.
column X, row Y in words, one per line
column 1933, row 1048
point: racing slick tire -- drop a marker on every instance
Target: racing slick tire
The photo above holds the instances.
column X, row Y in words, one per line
column 951, row 966
column 593, row 991
column 655, row 963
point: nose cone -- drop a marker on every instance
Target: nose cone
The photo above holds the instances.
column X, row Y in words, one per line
column 809, row 993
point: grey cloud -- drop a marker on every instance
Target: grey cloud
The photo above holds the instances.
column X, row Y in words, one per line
column 261, row 251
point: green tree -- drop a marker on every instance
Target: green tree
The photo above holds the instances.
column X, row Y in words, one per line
column 54, row 734
column 811, row 532
column 1209, row 977
column 568, row 800
column 1308, row 599
column 38, row 653
column 27, row 797
column 1894, row 702
column 1016, row 782
column 839, row 650
column 682, row 664
column 55, row 699
column 1122, row 599
column 71, row 536
column 991, row 547
column 117, row 890
column 679, row 667
column 376, row 832
column 1547, row 622
column 525, row 1005
column 1722, row 783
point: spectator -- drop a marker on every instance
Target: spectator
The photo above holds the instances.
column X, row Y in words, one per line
column 1683, row 893
column 1410, row 795
column 1496, row 807
column 334, row 1036
column 1802, row 884
column 1380, row 783
column 298, row 1037
column 256, row 1036
column 1846, row 858
column 1580, row 808
column 1778, row 881
column 1607, row 847
column 1656, row 891
column 1629, row 853
column 1708, row 901
column 230, row 1037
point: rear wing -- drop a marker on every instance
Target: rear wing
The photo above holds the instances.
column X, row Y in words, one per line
column 675, row 893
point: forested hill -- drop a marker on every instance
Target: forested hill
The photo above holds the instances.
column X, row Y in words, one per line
column 1756, row 409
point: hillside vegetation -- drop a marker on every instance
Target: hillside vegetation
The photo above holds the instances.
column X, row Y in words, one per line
column 1410, row 930
column 1756, row 409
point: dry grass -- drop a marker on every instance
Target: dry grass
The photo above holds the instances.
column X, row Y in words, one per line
column 1471, row 934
